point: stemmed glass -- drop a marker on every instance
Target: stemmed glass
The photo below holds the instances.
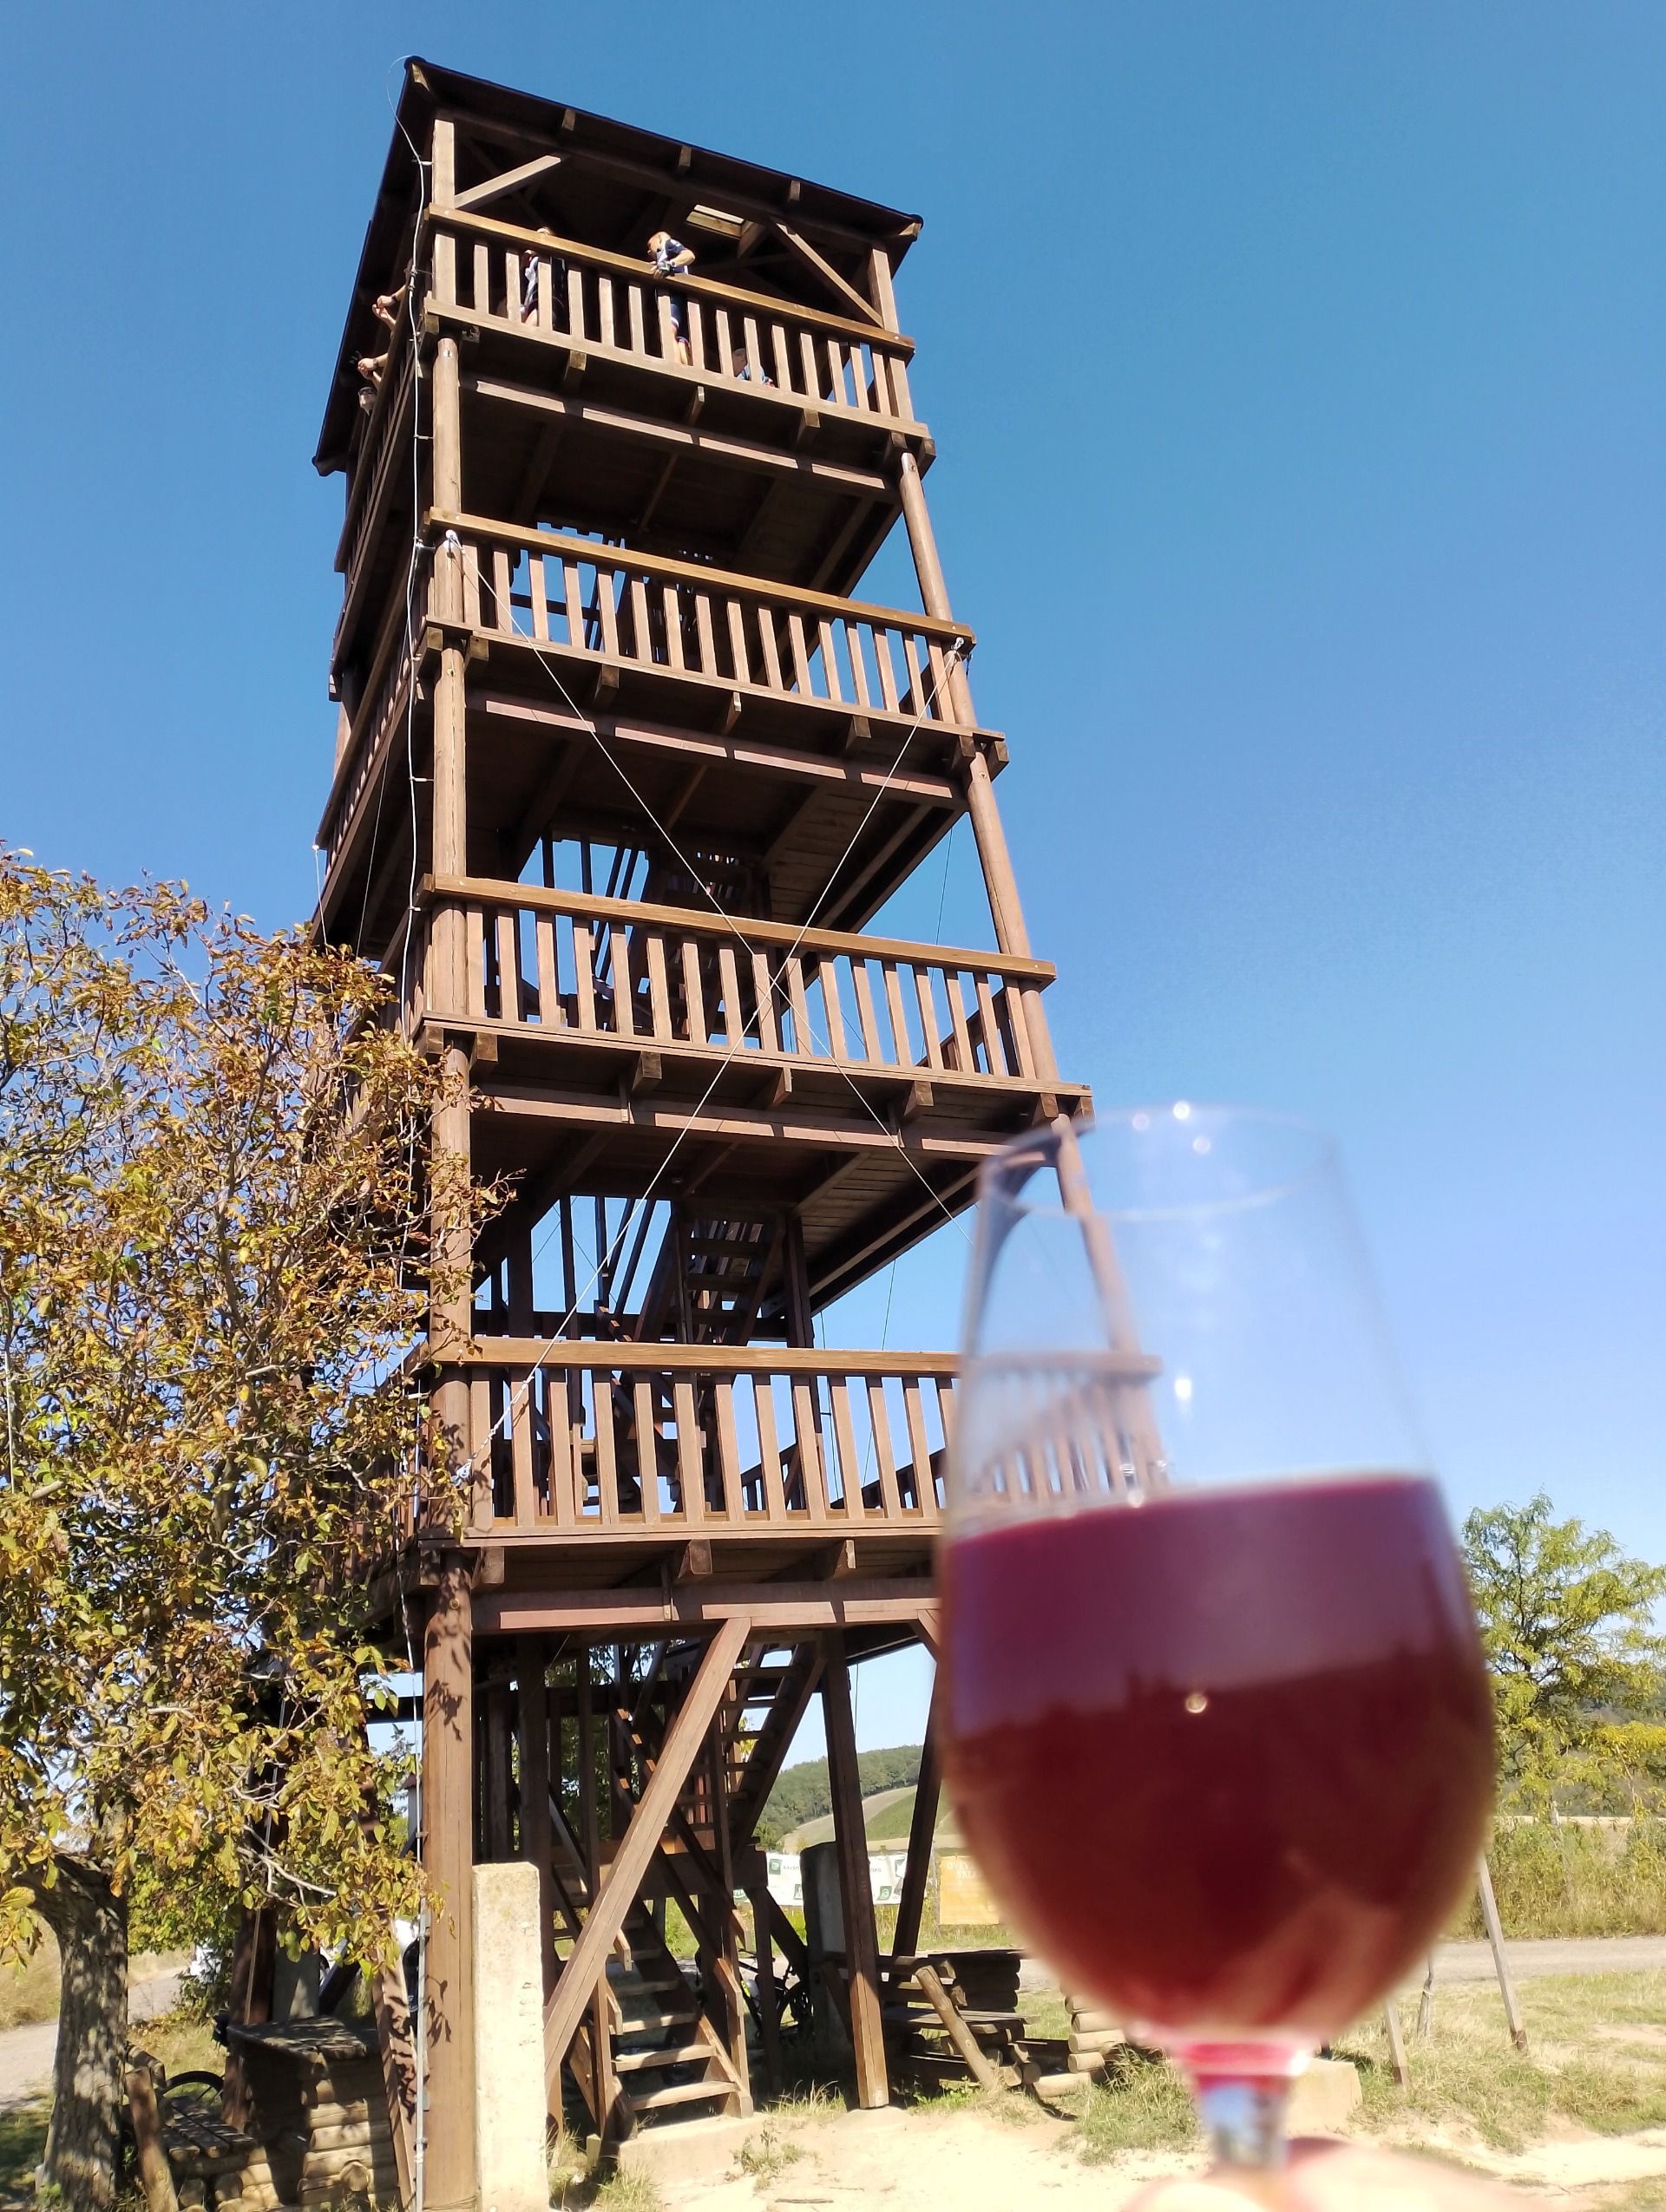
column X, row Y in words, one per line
column 1218, row 1727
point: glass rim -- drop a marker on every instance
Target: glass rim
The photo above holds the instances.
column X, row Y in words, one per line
column 1040, row 1146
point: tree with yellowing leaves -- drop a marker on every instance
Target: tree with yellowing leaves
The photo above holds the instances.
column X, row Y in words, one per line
column 214, row 1187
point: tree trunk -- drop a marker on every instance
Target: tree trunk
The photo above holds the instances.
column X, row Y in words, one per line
column 90, row 1922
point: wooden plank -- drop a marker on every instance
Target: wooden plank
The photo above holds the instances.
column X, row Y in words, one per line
column 539, row 596
column 729, row 977
column 807, row 1429
column 658, row 991
column 398, row 2052
column 648, row 1447
column 780, row 1609
column 509, row 180
column 156, row 2177
column 925, row 1490
column 584, row 977
column 763, row 1004
column 844, row 1443
column 690, row 1473
column 503, row 1351
column 526, row 1501
column 855, row 1891
column 601, row 1410
column 549, row 997
column 884, row 1457
column 694, row 1023
column 803, row 1045
column 904, row 1043
column 615, row 1894
column 619, row 965
column 508, row 966
column 989, row 1029
column 867, row 1014
column 769, row 1451
column 922, row 992
column 474, row 938
column 1501, row 1965
column 836, row 1036
column 965, row 1060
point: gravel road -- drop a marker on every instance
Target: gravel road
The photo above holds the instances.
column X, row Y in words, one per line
column 26, row 2053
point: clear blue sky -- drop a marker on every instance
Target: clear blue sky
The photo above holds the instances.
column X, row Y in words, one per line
column 1299, row 374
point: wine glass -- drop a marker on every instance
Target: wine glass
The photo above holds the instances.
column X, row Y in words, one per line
column 1218, row 1728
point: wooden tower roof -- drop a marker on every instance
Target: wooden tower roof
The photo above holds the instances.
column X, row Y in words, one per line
column 616, row 183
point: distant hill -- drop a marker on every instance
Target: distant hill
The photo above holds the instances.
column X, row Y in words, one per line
column 802, row 1792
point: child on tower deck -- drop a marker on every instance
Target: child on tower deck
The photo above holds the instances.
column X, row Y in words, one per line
column 530, row 261
column 668, row 254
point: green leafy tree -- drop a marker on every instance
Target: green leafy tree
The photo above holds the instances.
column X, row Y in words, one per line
column 1579, row 1665
column 212, row 1154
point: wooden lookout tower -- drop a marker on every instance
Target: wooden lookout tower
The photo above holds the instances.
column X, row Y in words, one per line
column 626, row 768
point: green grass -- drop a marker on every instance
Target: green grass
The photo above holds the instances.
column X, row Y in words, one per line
column 767, row 2153
column 22, row 2138
column 1569, row 1881
column 1143, row 2104
column 1579, row 2065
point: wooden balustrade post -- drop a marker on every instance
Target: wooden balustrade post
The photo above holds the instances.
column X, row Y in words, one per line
column 448, row 1858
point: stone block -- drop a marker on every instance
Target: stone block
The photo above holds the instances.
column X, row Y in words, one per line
column 692, row 2150
column 509, row 2101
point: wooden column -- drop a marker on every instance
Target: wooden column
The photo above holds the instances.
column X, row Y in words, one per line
column 769, row 2001
column 601, row 2054
column 532, row 1714
column 1001, row 881
column 448, row 1858
column 922, row 1827
column 729, row 1982
column 856, row 1889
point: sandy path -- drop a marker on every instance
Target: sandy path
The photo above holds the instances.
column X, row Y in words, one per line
column 26, row 2053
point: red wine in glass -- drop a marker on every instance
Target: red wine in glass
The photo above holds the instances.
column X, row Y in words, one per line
column 1227, row 1757
column 1218, row 1728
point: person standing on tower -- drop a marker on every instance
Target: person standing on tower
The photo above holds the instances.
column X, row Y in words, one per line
column 668, row 255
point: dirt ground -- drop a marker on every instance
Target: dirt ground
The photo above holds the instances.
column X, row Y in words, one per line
column 971, row 2160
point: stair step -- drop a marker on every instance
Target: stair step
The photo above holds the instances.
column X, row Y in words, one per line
column 678, row 2054
column 638, row 2020
column 685, row 2093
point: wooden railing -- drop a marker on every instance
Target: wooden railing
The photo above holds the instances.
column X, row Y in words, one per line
column 585, row 1437
column 593, row 300
column 564, row 963
column 578, row 596
column 375, row 725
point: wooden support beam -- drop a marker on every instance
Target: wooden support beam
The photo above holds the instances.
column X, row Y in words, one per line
column 448, row 1856
column 603, row 2093
column 855, row 1890
column 631, row 1862
column 922, row 1829
column 532, row 1711
column 508, row 180
column 766, row 1996
column 961, row 2036
column 845, row 293
column 783, row 1609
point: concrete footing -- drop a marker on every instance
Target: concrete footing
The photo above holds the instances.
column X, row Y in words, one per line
column 509, row 2101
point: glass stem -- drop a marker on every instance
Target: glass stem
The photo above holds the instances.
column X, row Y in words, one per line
column 1243, row 2119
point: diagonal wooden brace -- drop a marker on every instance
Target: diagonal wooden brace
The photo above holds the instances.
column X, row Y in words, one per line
column 576, row 1984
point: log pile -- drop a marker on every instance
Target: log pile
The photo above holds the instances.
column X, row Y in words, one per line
column 1094, row 2033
